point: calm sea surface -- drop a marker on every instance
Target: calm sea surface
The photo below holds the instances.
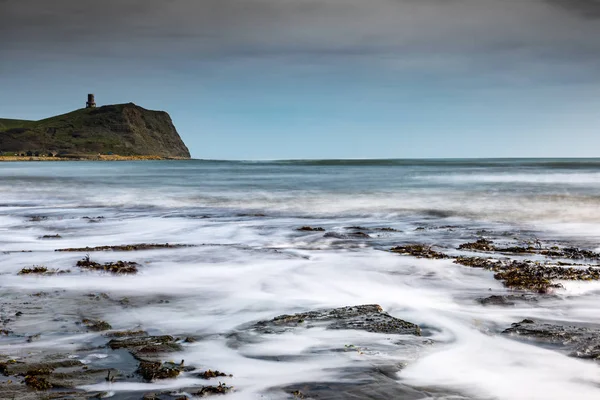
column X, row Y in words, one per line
column 250, row 262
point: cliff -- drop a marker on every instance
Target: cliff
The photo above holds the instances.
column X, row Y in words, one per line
column 123, row 129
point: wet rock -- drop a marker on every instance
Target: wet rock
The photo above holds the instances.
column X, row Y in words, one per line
column 122, row 334
column 37, row 270
column 370, row 318
column 38, row 218
column 509, row 300
column 343, row 236
column 310, row 229
column 360, row 235
column 41, row 270
column 51, row 237
column 96, row 325
column 479, row 245
column 116, row 268
column 37, row 382
column 419, row 251
column 366, row 383
column 221, row 388
column 188, row 393
column 147, row 348
column 531, row 275
column 387, row 229
column 571, row 253
column 211, row 374
column 33, row 338
column 15, row 368
column 153, row 370
column 577, row 341
column 129, row 247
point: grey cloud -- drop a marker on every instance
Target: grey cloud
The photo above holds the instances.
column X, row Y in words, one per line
column 392, row 32
column 584, row 8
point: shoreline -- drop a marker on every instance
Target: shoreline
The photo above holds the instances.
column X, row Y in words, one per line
column 89, row 158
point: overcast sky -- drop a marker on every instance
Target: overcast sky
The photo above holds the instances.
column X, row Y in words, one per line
column 272, row 79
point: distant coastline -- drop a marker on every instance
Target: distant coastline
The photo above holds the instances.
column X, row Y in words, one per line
column 107, row 133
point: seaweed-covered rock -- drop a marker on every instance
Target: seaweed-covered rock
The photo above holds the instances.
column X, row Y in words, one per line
column 221, row 388
column 152, row 370
column 127, row 247
column 35, row 270
column 122, row 334
column 419, row 251
column 578, row 341
column 479, row 245
column 310, row 229
column 115, row 268
column 147, row 348
column 370, row 318
column 96, row 325
column 188, row 393
column 56, row 375
column 571, row 253
column 209, row 374
column 531, row 275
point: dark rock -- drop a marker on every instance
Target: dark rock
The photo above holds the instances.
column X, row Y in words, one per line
column 152, row 370
column 509, row 300
column 310, row 229
column 578, row 341
column 37, row 218
column 211, row 374
column 51, row 237
column 129, row 247
column 116, row 268
column 530, row 275
column 147, row 348
column 122, row 334
column 96, row 325
column 370, row 318
column 419, row 251
column 479, row 245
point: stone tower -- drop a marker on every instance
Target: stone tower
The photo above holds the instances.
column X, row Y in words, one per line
column 91, row 102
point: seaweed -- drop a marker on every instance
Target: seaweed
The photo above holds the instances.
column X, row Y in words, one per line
column 419, row 251
column 152, row 370
column 530, row 275
column 479, row 245
column 128, row 247
column 211, row 374
column 221, row 388
column 116, row 268
column 131, row 333
column 96, row 325
column 35, row 270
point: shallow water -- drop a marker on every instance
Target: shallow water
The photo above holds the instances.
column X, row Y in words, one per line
column 250, row 263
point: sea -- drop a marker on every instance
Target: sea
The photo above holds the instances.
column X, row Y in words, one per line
column 247, row 260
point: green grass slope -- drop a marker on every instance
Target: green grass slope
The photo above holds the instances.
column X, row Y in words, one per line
column 123, row 129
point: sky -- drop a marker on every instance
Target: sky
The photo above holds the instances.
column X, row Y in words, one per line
column 300, row 79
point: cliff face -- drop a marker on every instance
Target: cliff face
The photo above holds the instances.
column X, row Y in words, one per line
column 123, row 129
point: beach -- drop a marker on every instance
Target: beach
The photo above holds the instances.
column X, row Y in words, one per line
column 328, row 279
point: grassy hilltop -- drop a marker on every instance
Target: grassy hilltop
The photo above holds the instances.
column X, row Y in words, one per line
column 122, row 129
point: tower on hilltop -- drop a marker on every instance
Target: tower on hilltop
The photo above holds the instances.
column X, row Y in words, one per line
column 91, row 102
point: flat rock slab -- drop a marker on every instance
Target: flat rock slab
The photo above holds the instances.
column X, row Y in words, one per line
column 370, row 318
column 147, row 348
column 375, row 384
column 578, row 341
